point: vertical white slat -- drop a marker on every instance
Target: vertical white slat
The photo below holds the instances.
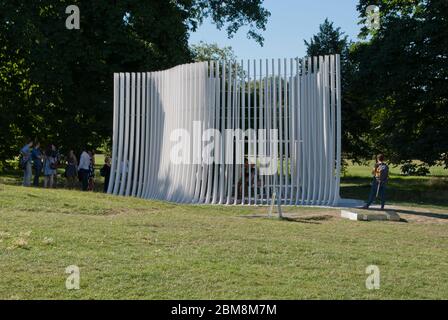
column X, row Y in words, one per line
column 217, row 152
column 299, row 130
column 174, row 124
column 255, row 127
column 186, row 119
column 261, row 126
column 275, row 126
column 329, row 134
column 307, row 122
column 145, row 139
column 156, row 187
column 136, row 161
column 121, row 136
column 267, row 108
column 192, row 168
column 236, row 126
column 176, row 112
column 116, row 129
column 333, row 127
column 204, row 121
column 162, row 177
column 183, row 104
column 286, row 102
column 228, row 150
column 125, row 163
column 131, row 137
column 280, row 131
column 292, row 133
column 319, row 134
column 142, row 133
column 249, row 127
column 243, row 126
column 185, row 112
column 314, row 132
column 210, row 125
column 156, row 182
column 150, row 139
column 205, row 159
column 323, row 71
column 299, row 137
column 232, row 126
column 223, row 139
column 150, row 135
column 338, row 129
column 199, row 117
column 168, row 168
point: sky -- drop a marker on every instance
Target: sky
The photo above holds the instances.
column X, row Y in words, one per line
column 291, row 22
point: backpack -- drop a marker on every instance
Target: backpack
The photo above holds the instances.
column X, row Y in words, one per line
column 382, row 172
column 22, row 162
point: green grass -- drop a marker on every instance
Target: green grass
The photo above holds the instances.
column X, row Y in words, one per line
column 130, row 248
column 429, row 191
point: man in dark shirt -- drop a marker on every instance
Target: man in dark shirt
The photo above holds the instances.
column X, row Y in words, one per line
column 105, row 172
column 36, row 156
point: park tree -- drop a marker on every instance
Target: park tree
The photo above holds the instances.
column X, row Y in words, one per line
column 355, row 123
column 56, row 83
column 211, row 51
column 402, row 72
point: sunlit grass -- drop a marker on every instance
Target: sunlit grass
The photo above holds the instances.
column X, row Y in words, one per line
column 131, row 248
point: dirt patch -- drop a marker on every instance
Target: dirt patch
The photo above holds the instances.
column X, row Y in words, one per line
column 410, row 214
column 421, row 215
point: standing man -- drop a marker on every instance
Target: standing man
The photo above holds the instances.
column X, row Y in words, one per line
column 105, row 172
column 380, row 177
column 36, row 156
column 83, row 168
column 25, row 163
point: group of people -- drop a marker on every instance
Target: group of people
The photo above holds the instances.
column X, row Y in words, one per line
column 48, row 161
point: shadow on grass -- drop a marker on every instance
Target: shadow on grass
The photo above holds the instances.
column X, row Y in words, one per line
column 307, row 220
column 431, row 191
column 443, row 216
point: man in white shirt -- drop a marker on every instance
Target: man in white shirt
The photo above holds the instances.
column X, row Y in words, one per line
column 83, row 168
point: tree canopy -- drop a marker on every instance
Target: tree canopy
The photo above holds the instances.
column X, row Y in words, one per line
column 56, row 84
column 394, row 81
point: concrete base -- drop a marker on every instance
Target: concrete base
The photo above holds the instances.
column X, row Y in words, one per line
column 373, row 216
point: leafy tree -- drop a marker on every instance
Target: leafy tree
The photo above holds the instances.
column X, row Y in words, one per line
column 56, row 84
column 211, row 51
column 402, row 70
column 331, row 40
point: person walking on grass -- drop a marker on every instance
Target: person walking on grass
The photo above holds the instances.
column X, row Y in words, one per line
column 50, row 166
column 25, row 163
column 380, row 177
column 83, row 169
column 105, row 172
column 71, row 170
column 36, row 156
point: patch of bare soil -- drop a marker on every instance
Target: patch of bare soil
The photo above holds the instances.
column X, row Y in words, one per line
column 421, row 215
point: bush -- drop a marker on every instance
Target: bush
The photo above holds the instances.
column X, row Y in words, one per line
column 412, row 169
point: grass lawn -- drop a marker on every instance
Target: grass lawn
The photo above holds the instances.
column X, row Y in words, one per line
column 131, row 248
column 430, row 191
